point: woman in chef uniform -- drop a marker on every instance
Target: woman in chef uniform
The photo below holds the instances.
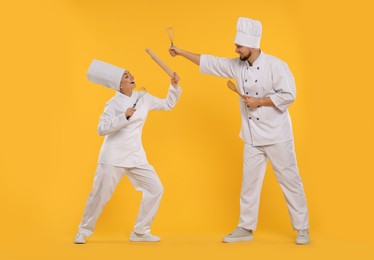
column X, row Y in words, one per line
column 122, row 152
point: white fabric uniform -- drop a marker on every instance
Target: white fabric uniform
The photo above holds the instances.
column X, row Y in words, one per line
column 266, row 132
column 122, row 144
column 122, row 153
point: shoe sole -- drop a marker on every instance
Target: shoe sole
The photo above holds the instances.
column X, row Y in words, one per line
column 233, row 240
column 303, row 243
column 79, row 242
column 143, row 240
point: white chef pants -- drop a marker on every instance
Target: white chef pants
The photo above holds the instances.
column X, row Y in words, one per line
column 283, row 159
column 107, row 177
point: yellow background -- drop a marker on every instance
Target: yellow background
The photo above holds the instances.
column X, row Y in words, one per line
column 49, row 115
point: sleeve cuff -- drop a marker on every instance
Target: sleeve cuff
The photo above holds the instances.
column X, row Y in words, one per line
column 178, row 89
column 203, row 63
column 278, row 103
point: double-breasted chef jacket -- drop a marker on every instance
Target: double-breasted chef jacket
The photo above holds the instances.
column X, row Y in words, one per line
column 267, row 77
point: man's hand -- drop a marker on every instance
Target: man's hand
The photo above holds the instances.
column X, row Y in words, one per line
column 174, row 80
column 129, row 112
column 252, row 102
column 195, row 58
column 174, row 51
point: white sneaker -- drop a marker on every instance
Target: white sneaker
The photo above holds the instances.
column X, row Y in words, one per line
column 80, row 238
column 302, row 237
column 238, row 235
column 135, row 237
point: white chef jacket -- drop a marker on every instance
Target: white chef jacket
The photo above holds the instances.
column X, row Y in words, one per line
column 123, row 138
column 267, row 77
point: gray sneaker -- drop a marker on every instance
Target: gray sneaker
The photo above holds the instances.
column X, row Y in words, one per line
column 238, row 235
column 302, row 237
column 80, row 238
column 135, row 237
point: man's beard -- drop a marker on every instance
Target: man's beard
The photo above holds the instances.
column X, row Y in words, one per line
column 245, row 58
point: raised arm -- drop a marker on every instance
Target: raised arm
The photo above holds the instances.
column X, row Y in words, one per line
column 209, row 64
column 169, row 102
column 195, row 58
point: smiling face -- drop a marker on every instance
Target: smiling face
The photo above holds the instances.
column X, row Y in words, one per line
column 127, row 83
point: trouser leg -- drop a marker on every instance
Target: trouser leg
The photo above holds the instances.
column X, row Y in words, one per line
column 105, row 182
column 283, row 159
column 254, row 166
column 145, row 179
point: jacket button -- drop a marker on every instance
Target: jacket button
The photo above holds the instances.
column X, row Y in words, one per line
column 258, row 68
column 258, row 118
column 256, row 80
column 246, row 80
column 246, row 93
column 250, row 117
column 256, row 93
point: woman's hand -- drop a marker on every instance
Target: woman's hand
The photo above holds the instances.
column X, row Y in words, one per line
column 174, row 80
column 129, row 112
column 174, row 51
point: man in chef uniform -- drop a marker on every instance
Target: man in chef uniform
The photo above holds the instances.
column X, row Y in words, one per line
column 122, row 152
column 269, row 89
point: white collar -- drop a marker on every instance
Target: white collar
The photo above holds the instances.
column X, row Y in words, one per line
column 123, row 96
column 257, row 60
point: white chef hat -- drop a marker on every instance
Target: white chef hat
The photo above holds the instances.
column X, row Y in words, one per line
column 248, row 32
column 105, row 74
